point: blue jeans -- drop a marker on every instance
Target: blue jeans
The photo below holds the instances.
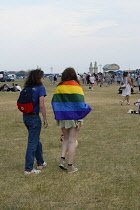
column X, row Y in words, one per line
column 34, row 146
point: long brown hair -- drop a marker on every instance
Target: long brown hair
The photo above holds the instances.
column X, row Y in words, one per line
column 69, row 74
column 34, row 77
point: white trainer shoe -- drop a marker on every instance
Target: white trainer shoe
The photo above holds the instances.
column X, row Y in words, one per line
column 40, row 166
column 33, row 171
column 71, row 169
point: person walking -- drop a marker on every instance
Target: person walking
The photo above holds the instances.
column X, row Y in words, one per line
column 107, row 79
column 92, row 80
column 100, row 79
column 138, row 81
column 51, row 79
column 126, row 92
column 33, row 122
column 84, row 78
column 119, row 79
column 69, row 110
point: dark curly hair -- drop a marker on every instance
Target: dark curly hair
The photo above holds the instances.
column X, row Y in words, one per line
column 34, row 77
column 125, row 73
column 69, row 74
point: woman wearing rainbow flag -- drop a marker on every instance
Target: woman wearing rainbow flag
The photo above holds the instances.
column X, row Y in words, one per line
column 69, row 110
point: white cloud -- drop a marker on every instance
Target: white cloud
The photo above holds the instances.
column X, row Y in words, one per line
column 29, row 22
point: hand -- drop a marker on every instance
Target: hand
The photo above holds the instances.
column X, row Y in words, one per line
column 79, row 126
column 45, row 123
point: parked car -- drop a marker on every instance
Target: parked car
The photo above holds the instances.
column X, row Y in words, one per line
column 6, row 79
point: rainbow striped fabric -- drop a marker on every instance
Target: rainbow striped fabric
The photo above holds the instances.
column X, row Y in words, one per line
column 68, row 102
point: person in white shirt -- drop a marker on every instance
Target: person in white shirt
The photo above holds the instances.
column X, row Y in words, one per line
column 78, row 76
column 92, row 80
column 84, row 78
column 18, row 87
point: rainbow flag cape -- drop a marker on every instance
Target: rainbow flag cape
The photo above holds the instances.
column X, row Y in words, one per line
column 68, row 102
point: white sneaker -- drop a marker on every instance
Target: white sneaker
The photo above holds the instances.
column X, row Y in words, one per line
column 40, row 166
column 34, row 171
column 71, row 169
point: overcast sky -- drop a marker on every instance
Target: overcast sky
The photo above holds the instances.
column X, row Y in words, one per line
column 62, row 33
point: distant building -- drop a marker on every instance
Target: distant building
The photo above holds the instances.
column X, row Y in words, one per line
column 93, row 69
column 111, row 68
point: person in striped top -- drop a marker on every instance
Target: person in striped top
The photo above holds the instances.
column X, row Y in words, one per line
column 69, row 110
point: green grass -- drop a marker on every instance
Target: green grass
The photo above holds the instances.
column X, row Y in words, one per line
column 108, row 157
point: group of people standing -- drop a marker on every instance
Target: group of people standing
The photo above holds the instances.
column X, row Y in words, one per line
column 127, row 79
column 98, row 79
column 108, row 79
column 92, row 78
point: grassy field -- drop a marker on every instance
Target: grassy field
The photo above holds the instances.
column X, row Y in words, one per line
column 108, row 157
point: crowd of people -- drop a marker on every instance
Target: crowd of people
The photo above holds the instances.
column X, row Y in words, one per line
column 69, row 110
column 108, row 79
column 68, row 115
column 127, row 83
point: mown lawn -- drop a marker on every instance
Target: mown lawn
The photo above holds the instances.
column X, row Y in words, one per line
column 108, row 157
